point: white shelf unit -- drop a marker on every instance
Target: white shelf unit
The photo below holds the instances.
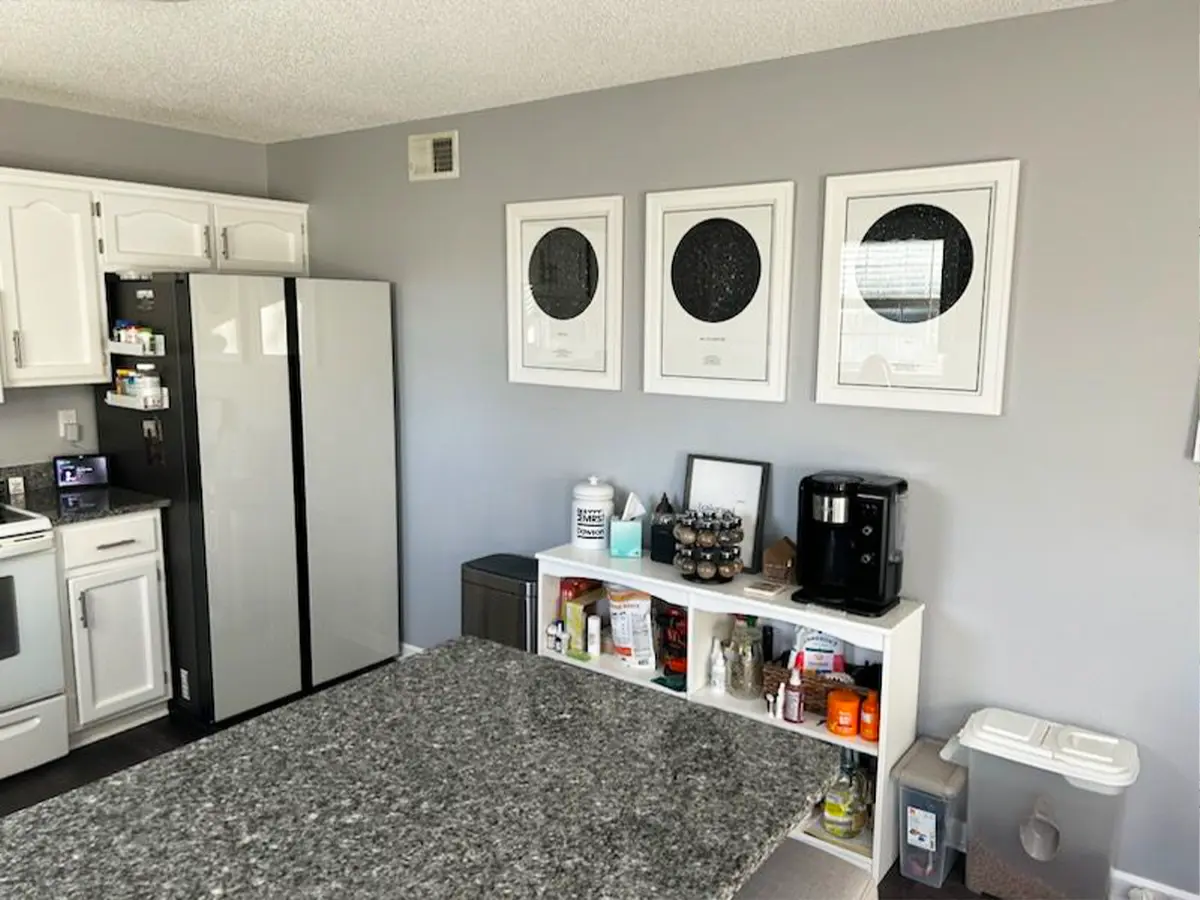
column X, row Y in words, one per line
column 128, row 348
column 895, row 635
column 125, row 401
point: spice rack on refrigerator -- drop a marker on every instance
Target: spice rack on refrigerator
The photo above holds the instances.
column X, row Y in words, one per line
column 139, row 387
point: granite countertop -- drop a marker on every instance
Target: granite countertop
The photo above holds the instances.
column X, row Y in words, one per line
column 95, row 503
column 470, row 770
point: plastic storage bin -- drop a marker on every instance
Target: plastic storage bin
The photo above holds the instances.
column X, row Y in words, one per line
column 932, row 812
column 1045, row 805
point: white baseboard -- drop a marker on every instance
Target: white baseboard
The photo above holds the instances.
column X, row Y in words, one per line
column 1123, row 882
column 407, row 650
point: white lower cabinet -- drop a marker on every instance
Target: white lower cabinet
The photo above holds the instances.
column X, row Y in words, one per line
column 115, row 623
column 117, row 639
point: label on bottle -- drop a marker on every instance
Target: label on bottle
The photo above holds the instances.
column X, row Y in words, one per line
column 922, row 829
column 793, row 706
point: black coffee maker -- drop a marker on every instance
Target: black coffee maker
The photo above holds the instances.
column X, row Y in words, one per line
column 850, row 538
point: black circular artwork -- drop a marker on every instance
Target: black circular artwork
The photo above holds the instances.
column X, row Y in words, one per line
column 896, row 288
column 715, row 270
column 563, row 273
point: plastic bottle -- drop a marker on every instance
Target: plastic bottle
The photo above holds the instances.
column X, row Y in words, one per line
column 793, row 698
column 868, row 721
column 717, row 667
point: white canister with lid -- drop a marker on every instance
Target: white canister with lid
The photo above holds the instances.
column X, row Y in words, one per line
column 591, row 509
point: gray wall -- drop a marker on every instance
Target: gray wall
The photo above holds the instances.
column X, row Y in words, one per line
column 1056, row 547
column 58, row 140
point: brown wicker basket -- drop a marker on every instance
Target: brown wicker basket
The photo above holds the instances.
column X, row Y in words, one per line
column 816, row 686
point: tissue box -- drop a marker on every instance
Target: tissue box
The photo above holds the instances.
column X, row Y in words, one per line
column 625, row 538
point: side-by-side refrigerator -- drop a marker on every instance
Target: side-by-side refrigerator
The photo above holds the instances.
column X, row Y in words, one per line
column 277, row 450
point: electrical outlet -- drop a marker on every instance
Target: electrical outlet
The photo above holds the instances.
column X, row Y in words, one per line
column 67, row 417
column 16, row 485
column 185, row 689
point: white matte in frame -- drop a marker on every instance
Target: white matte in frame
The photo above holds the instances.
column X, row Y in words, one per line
column 552, row 213
column 994, row 263
column 778, row 199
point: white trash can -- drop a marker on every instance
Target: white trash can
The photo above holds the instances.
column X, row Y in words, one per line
column 1044, row 805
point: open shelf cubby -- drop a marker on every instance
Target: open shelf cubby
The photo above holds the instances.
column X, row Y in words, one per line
column 894, row 640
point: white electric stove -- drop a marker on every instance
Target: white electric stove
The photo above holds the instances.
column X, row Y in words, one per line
column 33, row 710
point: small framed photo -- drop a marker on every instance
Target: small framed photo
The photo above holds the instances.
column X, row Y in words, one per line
column 564, row 292
column 718, row 291
column 739, row 485
column 915, row 280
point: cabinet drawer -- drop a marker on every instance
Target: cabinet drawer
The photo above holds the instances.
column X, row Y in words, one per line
column 32, row 735
column 115, row 538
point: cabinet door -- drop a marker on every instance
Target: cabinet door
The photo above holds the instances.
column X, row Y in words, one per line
column 116, row 630
column 51, row 306
column 155, row 233
column 260, row 239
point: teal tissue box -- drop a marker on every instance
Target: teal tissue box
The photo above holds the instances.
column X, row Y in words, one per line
column 625, row 539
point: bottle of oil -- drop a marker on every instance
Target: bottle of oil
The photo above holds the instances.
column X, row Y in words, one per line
column 845, row 808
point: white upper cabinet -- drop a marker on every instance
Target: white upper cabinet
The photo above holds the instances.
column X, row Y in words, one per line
column 146, row 232
column 51, row 306
column 254, row 238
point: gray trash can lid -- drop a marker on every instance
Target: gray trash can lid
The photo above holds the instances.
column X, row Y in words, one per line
column 506, row 565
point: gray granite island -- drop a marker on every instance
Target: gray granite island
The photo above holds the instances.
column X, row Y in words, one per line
column 470, row 770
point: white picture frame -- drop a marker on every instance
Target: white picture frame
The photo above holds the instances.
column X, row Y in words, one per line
column 564, row 325
column 723, row 338
column 916, row 277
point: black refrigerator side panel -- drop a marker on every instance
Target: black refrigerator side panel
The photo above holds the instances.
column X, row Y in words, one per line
column 157, row 452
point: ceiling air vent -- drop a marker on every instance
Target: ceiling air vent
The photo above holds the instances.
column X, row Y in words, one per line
column 433, row 156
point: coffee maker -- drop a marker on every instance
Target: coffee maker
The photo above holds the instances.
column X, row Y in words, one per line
column 850, row 535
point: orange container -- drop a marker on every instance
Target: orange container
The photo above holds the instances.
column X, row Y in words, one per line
column 868, row 719
column 842, row 712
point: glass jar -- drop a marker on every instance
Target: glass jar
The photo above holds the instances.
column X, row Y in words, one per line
column 685, row 560
column 706, row 564
column 746, row 661
column 727, row 563
column 706, row 532
column 685, row 530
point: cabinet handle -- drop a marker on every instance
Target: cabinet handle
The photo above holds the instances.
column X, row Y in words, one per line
column 83, row 612
column 112, row 545
column 207, row 242
column 225, row 243
column 18, row 356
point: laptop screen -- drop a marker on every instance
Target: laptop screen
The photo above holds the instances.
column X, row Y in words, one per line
column 80, row 471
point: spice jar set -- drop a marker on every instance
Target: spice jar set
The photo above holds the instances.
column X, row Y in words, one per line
column 708, row 545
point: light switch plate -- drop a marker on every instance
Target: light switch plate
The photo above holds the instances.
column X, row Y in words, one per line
column 16, row 485
column 66, row 417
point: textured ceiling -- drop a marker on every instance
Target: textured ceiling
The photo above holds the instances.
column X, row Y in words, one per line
column 270, row 70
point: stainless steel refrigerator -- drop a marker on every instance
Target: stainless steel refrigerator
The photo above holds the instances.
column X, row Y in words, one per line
column 277, row 448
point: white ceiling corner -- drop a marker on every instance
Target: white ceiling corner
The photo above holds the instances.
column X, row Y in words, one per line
column 272, row 70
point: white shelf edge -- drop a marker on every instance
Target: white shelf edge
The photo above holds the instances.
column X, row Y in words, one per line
column 663, row 581
column 843, row 849
column 124, row 348
column 122, row 401
column 612, row 667
column 813, row 726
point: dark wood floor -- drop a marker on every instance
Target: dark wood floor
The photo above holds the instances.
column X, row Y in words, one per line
column 91, row 763
column 129, row 748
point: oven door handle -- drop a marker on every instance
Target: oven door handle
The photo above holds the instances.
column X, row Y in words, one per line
column 83, row 608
